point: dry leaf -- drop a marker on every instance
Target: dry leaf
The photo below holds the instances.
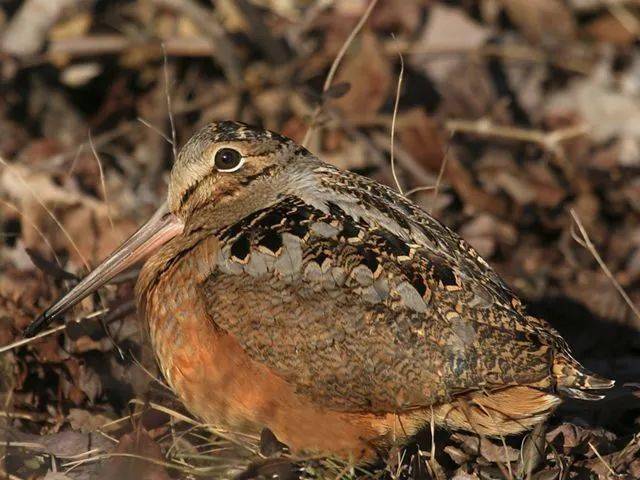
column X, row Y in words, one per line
column 397, row 15
column 484, row 233
column 368, row 71
column 138, row 444
column 546, row 22
column 489, row 450
column 86, row 421
column 607, row 28
column 28, row 28
column 608, row 111
column 421, row 138
column 447, row 30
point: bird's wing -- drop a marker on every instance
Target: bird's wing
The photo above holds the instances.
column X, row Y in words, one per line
column 361, row 316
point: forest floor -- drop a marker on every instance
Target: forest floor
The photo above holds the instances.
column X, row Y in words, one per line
column 517, row 124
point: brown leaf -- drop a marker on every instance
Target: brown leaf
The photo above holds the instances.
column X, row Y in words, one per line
column 517, row 188
column 456, row 454
column 28, row 29
column 548, row 192
column 532, row 452
column 337, row 90
column 611, row 112
column 419, row 135
column 86, row 421
column 89, row 382
column 270, row 446
column 140, row 444
column 608, row 29
column 485, row 231
column 17, row 307
column 473, row 197
column 489, row 450
column 568, row 437
column 368, row 71
column 393, row 15
column 85, row 219
column 448, row 29
column 546, row 22
column 595, row 291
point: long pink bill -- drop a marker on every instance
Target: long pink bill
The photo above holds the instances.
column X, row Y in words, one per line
column 161, row 228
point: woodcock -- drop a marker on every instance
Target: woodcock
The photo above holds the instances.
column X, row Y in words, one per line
column 282, row 292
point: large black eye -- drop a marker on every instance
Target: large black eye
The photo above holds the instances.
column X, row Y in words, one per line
column 228, row 160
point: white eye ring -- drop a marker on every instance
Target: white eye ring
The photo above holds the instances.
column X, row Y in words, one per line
column 228, row 160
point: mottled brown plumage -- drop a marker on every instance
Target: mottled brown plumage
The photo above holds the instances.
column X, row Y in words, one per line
column 334, row 311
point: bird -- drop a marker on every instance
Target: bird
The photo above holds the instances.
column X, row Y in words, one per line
column 282, row 292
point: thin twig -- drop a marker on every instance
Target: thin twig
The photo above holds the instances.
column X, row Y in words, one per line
column 481, row 437
column 24, row 341
column 393, row 124
column 149, row 374
column 31, row 416
column 608, row 467
column 432, row 428
column 74, row 162
column 346, row 44
column 443, row 166
column 506, row 457
column 237, row 438
column 334, row 67
column 103, row 185
column 54, row 161
column 174, row 144
column 423, row 188
column 93, row 45
column 550, row 141
column 589, row 246
column 104, row 456
column 155, row 129
column 627, row 19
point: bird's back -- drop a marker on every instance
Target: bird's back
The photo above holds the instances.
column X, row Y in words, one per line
column 365, row 302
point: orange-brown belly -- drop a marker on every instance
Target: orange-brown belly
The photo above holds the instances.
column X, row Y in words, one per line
column 221, row 384
column 218, row 382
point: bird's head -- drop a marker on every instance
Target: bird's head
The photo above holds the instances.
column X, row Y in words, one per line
column 224, row 172
column 228, row 167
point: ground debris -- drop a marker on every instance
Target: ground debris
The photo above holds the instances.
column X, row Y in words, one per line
column 521, row 112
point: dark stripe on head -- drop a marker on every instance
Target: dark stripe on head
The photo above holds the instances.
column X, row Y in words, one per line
column 189, row 191
column 243, row 181
column 265, row 171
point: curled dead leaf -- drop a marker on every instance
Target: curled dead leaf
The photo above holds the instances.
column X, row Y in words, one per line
column 368, row 71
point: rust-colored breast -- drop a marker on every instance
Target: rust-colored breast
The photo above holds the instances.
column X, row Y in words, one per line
column 221, row 384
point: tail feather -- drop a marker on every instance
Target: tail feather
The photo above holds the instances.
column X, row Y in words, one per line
column 580, row 394
column 573, row 379
column 506, row 411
